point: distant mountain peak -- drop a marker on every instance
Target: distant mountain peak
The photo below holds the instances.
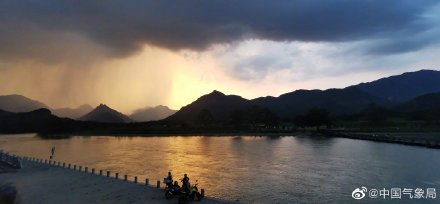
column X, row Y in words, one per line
column 216, row 93
column 103, row 107
column 103, row 113
column 216, row 102
column 73, row 113
column 18, row 103
column 152, row 113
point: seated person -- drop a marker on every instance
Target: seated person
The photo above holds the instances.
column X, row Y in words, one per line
column 176, row 186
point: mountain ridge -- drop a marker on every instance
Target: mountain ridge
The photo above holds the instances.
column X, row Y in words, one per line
column 72, row 113
column 105, row 114
column 403, row 87
column 152, row 113
column 343, row 101
column 18, row 103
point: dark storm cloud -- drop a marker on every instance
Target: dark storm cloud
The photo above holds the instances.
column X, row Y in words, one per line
column 122, row 27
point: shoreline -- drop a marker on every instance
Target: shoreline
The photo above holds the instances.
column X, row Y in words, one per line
column 411, row 138
column 39, row 182
column 404, row 138
column 422, row 139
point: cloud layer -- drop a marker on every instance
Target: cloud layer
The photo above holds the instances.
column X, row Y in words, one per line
column 118, row 28
column 132, row 53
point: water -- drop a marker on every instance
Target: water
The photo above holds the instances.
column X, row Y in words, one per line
column 250, row 169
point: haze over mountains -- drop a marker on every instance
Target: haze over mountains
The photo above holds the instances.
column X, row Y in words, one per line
column 18, row 103
column 409, row 90
column 152, row 113
column 73, row 113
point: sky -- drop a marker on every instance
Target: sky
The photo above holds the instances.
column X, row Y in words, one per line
column 130, row 54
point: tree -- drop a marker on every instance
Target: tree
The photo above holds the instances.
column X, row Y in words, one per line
column 258, row 114
column 375, row 114
column 300, row 121
column 315, row 117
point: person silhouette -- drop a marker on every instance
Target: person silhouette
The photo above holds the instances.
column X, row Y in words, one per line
column 52, row 151
column 185, row 182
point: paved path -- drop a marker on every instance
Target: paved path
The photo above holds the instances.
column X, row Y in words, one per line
column 43, row 183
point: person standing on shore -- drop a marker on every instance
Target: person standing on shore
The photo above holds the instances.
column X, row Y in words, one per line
column 185, row 183
column 169, row 180
column 52, row 151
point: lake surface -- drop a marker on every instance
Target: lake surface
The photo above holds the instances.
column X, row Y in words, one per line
column 293, row 169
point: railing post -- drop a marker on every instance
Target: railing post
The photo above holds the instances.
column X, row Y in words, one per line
column 93, row 170
column 64, row 165
column 86, row 169
column 147, row 182
column 158, row 184
column 100, row 172
column 80, row 168
column 135, row 179
column 69, row 165
column 74, row 167
column 202, row 192
column 125, row 177
column 108, row 173
column 116, row 176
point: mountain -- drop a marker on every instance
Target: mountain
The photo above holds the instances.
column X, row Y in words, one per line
column 404, row 87
column 18, row 103
column 73, row 113
column 336, row 101
column 353, row 99
column 4, row 113
column 40, row 120
column 422, row 107
column 152, row 113
column 425, row 102
column 222, row 107
column 104, row 114
column 219, row 105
